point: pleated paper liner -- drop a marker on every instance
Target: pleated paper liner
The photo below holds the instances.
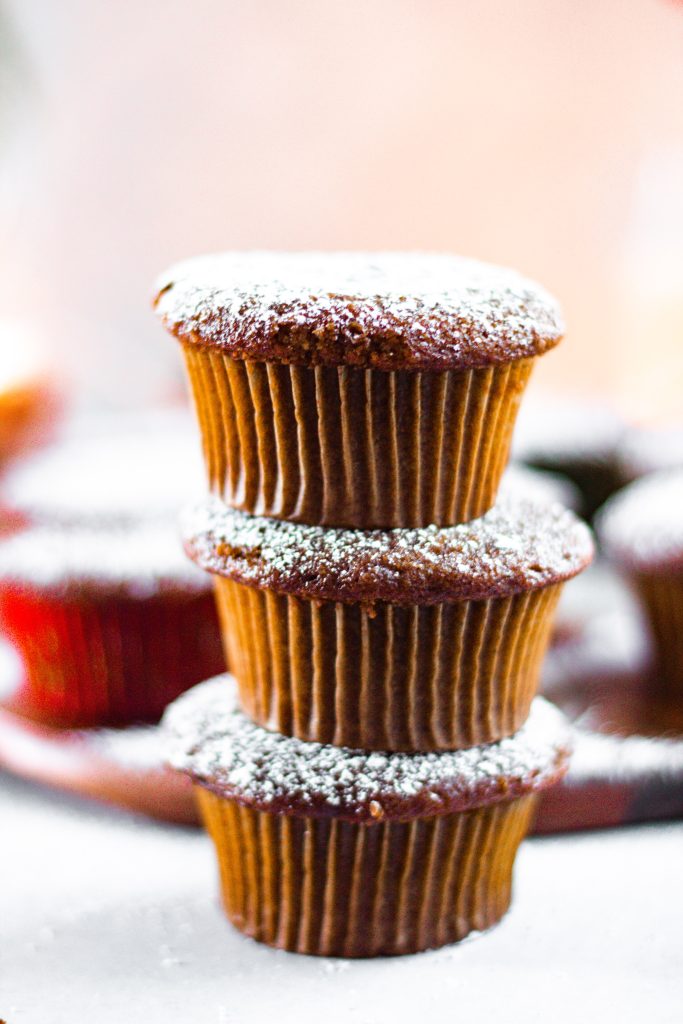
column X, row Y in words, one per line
column 432, row 677
column 108, row 660
column 333, row 888
column 354, row 447
column 662, row 599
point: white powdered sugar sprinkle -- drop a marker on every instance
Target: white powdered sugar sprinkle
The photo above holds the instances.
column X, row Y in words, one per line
column 516, row 546
column 446, row 310
column 209, row 738
column 110, row 468
column 137, row 561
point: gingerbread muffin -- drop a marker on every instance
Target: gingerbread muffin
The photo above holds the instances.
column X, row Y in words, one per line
column 644, row 451
column 577, row 439
column 405, row 639
column 111, row 623
column 341, row 852
column 642, row 532
column 356, row 389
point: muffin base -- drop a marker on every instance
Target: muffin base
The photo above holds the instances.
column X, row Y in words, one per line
column 386, row 677
column 333, row 888
column 345, row 446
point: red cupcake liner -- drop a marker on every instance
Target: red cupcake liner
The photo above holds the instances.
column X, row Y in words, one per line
column 108, row 660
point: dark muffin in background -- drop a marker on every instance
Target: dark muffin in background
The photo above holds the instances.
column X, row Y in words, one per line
column 650, row 450
column 356, row 389
column 339, row 852
column 539, row 485
column 577, row 439
column 424, row 639
column 641, row 529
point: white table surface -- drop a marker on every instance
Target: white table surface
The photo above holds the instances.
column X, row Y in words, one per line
column 106, row 918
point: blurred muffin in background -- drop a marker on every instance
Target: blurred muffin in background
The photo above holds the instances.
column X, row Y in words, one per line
column 29, row 399
column 539, row 485
column 108, row 468
column 646, row 450
column 110, row 618
column 642, row 533
column 575, row 438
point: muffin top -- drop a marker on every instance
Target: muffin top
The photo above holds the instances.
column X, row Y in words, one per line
column 116, row 468
column 388, row 310
column 641, row 527
column 210, row 739
column 138, row 563
column 518, row 545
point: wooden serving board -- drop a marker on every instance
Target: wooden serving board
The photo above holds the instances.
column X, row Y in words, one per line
column 123, row 767
column 627, row 764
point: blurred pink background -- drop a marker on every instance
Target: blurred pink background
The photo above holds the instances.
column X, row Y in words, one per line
column 547, row 134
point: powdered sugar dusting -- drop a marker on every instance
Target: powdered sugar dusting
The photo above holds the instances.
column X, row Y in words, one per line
column 516, row 546
column 209, row 738
column 139, row 562
column 642, row 526
column 388, row 310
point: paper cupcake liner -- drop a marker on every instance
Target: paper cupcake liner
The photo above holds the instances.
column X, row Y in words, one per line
column 332, row 888
column 662, row 598
column 109, row 662
column 431, row 677
column 346, row 446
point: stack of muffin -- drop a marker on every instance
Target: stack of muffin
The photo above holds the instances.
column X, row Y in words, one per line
column 368, row 780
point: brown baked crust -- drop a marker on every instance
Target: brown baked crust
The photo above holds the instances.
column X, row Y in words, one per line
column 519, row 545
column 211, row 740
column 390, row 311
